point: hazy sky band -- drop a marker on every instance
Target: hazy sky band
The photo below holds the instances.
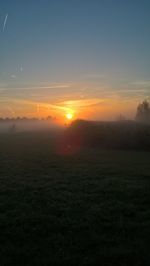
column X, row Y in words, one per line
column 96, row 48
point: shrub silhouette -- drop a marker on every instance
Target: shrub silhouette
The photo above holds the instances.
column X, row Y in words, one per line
column 109, row 135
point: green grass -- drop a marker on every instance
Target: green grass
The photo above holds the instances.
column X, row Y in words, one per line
column 90, row 208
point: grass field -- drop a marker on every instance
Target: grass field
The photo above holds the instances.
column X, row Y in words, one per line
column 90, row 208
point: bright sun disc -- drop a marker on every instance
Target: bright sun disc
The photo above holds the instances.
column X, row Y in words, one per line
column 69, row 116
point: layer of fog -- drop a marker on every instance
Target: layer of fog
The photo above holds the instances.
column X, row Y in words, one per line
column 21, row 126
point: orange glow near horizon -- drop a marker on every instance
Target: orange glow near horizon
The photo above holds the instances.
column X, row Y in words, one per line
column 65, row 112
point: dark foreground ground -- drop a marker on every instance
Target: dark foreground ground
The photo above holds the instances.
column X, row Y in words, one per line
column 89, row 208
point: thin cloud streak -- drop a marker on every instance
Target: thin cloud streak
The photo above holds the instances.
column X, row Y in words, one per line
column 82, row 103
column 36, row 87
column 42, row 104
column 5, row 21
column 143, row 83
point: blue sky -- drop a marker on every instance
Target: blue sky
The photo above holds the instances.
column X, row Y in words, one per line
column 56, row 52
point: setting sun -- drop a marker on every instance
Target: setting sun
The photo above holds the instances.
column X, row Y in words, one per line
column 69, row 116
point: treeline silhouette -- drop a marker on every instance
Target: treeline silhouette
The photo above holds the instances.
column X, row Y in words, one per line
column 108, row 135
column 16, row 119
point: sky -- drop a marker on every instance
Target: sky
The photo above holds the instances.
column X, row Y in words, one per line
column 88, row 57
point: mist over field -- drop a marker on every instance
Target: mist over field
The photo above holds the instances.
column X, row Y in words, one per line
column 28, row 125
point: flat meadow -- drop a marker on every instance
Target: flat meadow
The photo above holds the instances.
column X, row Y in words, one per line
column 91, row 207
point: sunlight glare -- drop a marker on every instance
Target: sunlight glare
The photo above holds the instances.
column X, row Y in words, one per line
column 69, row 116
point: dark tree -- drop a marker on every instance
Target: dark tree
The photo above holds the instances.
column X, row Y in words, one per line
column 143, row 112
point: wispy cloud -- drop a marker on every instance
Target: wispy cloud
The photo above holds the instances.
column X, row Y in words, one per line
column 82, row 102
column 34, row 103
column 36, row 87
column 141, row 83
column 13, row 76
column 94, row 77
column 11, row 110
column 5, row 21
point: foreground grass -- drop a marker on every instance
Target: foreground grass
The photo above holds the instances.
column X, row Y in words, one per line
column 90, row 208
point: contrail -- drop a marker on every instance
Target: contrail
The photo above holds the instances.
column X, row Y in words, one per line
column 5, row 21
